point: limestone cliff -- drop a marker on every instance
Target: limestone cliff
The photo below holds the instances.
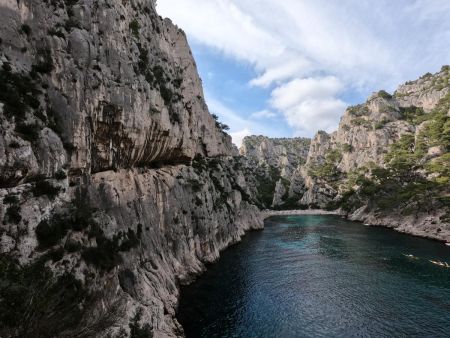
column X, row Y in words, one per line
column 116, row 184
column 275, row 160
column 388, row 163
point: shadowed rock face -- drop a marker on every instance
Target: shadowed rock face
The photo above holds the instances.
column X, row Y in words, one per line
column 276, row 160
column 105, row 211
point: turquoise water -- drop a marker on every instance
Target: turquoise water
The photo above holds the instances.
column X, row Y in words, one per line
column 321, row 276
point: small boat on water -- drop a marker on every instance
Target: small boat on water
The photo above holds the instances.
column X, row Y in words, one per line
column 443, row 264
column 448, row 244
column 411, row 256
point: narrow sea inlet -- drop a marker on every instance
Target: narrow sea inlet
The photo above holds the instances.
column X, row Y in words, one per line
column 322, row 276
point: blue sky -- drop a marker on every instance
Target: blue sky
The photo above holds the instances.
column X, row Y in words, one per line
column 291, row 67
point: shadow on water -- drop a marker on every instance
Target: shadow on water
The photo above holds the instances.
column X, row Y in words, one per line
column 321, row 276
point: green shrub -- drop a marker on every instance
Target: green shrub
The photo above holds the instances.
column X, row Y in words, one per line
column 266, row 184
column 25, row 29
column 143, row 64
column 380, row 124
column 290, row 203
column 384, row 94
column 56, row 32
column 131, row 241
column 440, row 166
column 11, row 199
column 360, row 121
column 44, row 63
column 43, row 187
column 13, row 214
column 327, row 170
column 134, row 27
column 358, row 110
column 18, row 93
column 222, row 126
column 167, row 94
column 71, row 23
column 347, row 148
column 14, row 145
column 60, row 175
column 49, row 232
column 412, row 114
column 35, row 303
column 195, row 184
column 104, row 256
column 29, row 132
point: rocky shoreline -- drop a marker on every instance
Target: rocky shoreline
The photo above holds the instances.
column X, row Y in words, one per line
column 269, row 213
column 425, row 226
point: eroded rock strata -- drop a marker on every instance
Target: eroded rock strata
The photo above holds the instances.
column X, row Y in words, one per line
column 116, row 183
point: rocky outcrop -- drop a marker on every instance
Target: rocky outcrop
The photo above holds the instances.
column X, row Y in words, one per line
column 387, row 163
column 116, row 184
column 276, row 160
column 283, row 153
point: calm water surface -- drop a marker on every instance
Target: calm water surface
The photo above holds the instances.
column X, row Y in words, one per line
column 321, row 276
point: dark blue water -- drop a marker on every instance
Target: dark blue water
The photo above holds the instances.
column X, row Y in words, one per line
column 321, row 276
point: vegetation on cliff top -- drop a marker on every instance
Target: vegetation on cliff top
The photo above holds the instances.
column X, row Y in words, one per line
column 413, row 180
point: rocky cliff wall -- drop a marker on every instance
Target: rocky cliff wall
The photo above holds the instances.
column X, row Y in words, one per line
column 275, row 161
column 387, row 163
column 116, row 184
column 113, row 80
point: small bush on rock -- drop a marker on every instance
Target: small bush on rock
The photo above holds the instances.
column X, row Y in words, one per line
column 50, row 232
column 13, row 214
column 45, row 188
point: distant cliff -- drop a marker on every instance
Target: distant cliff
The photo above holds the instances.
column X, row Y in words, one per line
column 116, row 183
column 274, row 160
column 388, row 163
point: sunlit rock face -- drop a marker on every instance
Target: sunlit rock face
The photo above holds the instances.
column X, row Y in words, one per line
column 120, row 82
column 103, row 113
column 407, row 127
column 366, row 131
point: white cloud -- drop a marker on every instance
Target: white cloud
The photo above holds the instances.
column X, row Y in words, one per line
column 310, row 116
column 238, row 136
column 310, row 104
column 293, row 45
column 299, row 90
column 263, row 114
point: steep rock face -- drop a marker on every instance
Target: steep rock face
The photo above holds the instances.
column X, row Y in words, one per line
column 116, row 184
column 283, row 153
column 276, row 160
column 388, row 162
column 146, row 231
column 118, row 83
